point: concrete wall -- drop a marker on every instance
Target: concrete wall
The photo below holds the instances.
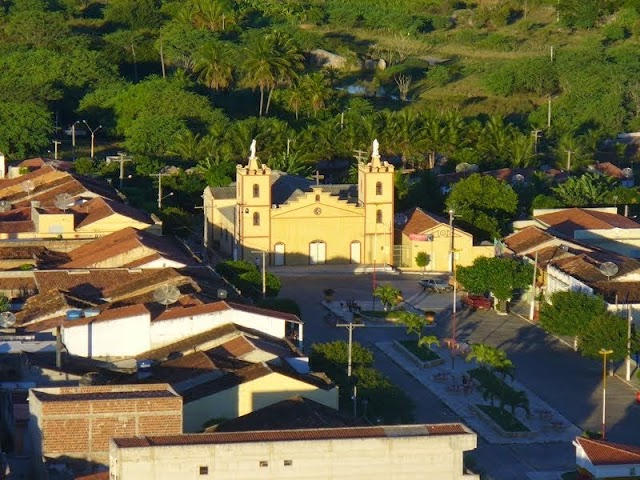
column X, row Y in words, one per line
column 122, row 337
column 110, row 224
column 399, row 458
column 250, row 396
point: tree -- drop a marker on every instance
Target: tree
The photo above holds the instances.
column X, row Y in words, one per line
column 388, row 295
column 569, row 313
column 498, row 275
column 586, row 190
column 428, row 340
column 215, row 65
column 483, row 202
column 25, row 128
column 332, row 358
column 608, row 331
column 422, row 260
column 415, row 323
column 490, row 357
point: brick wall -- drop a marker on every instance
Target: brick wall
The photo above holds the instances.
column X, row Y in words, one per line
column 83, row 428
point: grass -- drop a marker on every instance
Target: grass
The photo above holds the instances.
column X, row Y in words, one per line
column 380, row 314
column 423, row 352
column 503, row 419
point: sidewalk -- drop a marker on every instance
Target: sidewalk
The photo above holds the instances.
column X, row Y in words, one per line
column 546, row 424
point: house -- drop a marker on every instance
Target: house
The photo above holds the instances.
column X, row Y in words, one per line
column 299, row 222
column 597, row 227
column 251, row 387
column 131, row 330
column 78, row 422
column 599, row 459
column 401, row 452
column 419, row 231
column 127, row 248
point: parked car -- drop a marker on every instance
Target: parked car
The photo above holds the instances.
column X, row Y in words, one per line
column 435, row 285
column 477, row 302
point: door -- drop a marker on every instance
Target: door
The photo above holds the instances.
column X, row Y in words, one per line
column 355, row 252
column 317, row 253
column 278, row 255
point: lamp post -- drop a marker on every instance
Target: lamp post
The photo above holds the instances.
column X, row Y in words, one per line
column 453, row 270
column 73, row 138
column 532, row 310
column 93, row 135
column 350, row 327
column 604, row 353
column 264, row 270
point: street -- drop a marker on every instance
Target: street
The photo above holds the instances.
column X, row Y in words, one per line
column 566, row 381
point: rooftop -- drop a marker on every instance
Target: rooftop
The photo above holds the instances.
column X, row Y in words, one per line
column 527, row 239
column 420, row 221
column 567, row 221
column 294, row 435
column 601, row 452
column 103, row 392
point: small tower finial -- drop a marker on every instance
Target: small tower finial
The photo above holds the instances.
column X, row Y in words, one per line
column 253, row 159
column 375, row 154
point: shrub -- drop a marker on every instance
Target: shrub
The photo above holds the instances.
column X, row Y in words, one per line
column 614, row 32
column 285, row 305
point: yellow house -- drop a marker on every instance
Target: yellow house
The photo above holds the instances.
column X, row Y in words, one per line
column 301, row 223
column 425, row 232
column 251, row 388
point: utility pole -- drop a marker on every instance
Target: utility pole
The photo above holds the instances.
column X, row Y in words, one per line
column 160, row 197
column 93, row 135
column 55, row 148
column 628, row 361
column 350, row 327
column 264, row 270
column 551, row 53
column 73, row 139
column 122, row 158
column 360, row 155
column 533, row 289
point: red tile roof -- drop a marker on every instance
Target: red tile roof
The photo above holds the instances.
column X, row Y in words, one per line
column 110, row 314
column 98, row 208
column 238, row 347
column 293, row 435
column 526, row 239
column 601, row 452
column 103, row 392
column 608, row 168
column 419, row 221
column 179, row 312
column 567, row 221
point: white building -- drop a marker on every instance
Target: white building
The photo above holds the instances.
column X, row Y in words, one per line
column 133, row 330
column 399, row 452
column 597, row 459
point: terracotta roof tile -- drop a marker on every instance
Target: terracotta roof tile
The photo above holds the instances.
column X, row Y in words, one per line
column 526, row 239
column 419, row 221
column 567, row 221
column 178, row 312
column 110, row 314
column 238, row 347
column 585, row 266
column 601, row 452
column 103, row 392
column 608, row 168
column 94, row 476
column 284, row 435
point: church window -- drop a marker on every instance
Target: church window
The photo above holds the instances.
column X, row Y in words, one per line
column 379, row 188
column 317, row 198
column 379, row 216
column 256, row 219
column 256, row 190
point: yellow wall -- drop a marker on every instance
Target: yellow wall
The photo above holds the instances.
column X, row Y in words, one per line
column 251, row 396
column 112, row 223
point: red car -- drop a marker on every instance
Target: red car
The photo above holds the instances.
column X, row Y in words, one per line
column 477, row 302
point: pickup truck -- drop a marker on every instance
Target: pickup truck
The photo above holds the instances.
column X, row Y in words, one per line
column 435, row 285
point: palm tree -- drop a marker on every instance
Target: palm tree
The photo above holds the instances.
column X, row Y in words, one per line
column 317, row 91
column 388, row 295
column 295, row 98
column 213, row 15
column 289, row 61
column 515, row 399
column 522, row 150
column 215, row 64
column 260, row 67
column 186, row 145
column 428, row 341
column 415, row 323
column 586, row 190
column 293, row 164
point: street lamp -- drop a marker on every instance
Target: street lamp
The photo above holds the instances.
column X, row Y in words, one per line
column 604, row 354
column 93, row 135
column 162, row 198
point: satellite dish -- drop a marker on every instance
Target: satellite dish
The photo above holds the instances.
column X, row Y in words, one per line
column 462, row 167
column 608, row 269
column 517, row 178
column 5, row 205
column 7, row 319
column 63, row 201
column 627, row 172
column 400, row 219
column 28, row 186
column 166, row 295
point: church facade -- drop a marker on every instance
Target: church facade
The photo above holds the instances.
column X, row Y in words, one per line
column 299, row 222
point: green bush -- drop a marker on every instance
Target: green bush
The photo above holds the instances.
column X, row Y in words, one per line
column 285, row 305
column 528, row 75
column 614, row 32
column 250, row 283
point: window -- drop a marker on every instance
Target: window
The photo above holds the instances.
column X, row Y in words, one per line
column 264, row 463
column 288, row 463
column 204, row 470
column 256, row 190
column 317, row 198
column 379, row 216
column 379, row 188
column 256, row 219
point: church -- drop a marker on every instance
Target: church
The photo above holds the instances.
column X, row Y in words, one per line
column 297, row 221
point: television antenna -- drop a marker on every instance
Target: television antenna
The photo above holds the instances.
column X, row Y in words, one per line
column 28, row 186
column 7, row 319
column 166, row 295
column 608, row 269
column 63, row 201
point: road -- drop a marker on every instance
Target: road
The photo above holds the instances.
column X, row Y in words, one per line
column 569, row 383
